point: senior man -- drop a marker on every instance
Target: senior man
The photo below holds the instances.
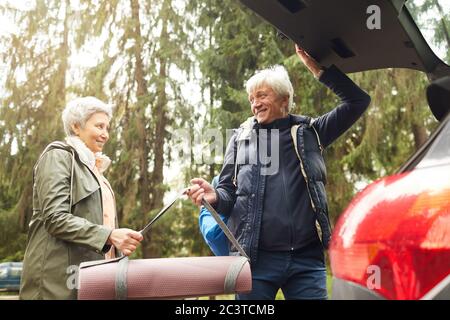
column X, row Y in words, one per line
column 279, row 214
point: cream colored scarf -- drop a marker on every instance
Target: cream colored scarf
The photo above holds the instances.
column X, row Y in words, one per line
column 87, row 156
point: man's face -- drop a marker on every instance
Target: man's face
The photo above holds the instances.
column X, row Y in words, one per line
column 266, row 105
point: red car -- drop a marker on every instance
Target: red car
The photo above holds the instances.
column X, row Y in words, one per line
column 393, row 240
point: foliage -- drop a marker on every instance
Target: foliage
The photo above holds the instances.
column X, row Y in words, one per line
column 151, row 60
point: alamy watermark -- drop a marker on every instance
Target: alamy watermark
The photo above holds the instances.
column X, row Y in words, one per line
column 373, row 22
column 374, row 278
column 209, row 147
column 72, row 279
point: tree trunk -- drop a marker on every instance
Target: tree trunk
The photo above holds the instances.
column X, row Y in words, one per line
column 142, row 94
column 160, row 119
column 420, row 135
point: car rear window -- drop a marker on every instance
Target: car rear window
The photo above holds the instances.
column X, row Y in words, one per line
column 439, row 152
column 433, row 19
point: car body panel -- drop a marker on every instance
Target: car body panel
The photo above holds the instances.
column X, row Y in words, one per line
column 401, row 225
column 349, row 290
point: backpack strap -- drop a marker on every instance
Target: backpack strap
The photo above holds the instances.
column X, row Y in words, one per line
column 234, row 270
column 294, row 130
column 311, row 125
column 309, row 122
column 120, row 284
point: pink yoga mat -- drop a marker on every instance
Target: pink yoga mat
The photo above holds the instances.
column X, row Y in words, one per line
column 168, row 278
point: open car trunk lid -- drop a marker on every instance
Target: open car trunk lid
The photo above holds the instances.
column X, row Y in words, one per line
column 337, row 32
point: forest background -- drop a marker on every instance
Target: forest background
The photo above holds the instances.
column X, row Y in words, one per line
column 173, row 66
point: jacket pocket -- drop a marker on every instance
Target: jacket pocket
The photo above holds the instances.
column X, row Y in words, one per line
column 81, row 191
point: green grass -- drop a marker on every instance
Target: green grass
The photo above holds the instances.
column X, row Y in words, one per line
column 9, row 293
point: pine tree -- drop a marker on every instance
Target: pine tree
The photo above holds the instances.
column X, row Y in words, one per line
column 36, row 60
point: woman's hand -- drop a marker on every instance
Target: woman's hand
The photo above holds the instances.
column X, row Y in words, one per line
column 201, row 189
column 308, row 61
column 126, row 240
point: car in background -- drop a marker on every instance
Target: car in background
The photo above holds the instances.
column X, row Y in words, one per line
column 10, row 274
column 393, row 240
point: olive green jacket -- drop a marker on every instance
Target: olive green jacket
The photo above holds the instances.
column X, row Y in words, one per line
column 60, row 237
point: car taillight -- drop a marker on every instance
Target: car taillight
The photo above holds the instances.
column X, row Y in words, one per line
column 394, row 238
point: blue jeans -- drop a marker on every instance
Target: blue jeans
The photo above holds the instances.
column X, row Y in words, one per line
column 300, row 274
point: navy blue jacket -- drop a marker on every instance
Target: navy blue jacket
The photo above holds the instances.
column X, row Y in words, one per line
column 244, row 201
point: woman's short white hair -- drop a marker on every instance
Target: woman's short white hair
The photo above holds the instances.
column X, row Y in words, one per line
column 275, row 77
column 79, row 110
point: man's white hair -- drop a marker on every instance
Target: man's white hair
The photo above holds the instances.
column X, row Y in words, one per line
column 79, row 110
column 275, row 77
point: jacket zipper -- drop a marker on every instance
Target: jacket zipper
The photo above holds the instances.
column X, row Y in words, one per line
column 291, row 227
column 255, row 198
column 255, row 205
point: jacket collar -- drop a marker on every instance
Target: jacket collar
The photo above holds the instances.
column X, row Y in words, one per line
column 281, row 123
column 87, row 156
column 248, row 125
column 296, row 119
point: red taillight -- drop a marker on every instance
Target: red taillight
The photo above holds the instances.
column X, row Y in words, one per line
column 398, row 227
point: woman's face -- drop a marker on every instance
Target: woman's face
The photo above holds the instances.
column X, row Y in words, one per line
column 95, row 132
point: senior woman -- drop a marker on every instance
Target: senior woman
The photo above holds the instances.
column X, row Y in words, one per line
column 74, row 216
